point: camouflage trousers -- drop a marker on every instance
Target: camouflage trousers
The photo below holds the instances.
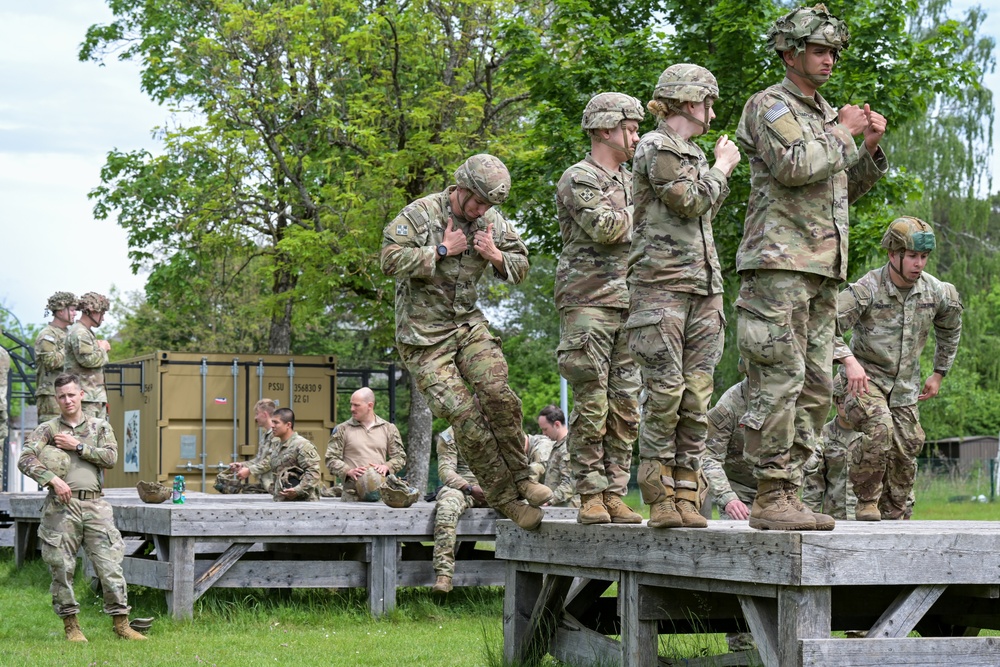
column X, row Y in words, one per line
column 450, row 505
column 824, row 475
column 494, row 448
column 99, row 410
column 594, row 358
column 883, row 464
column 785, row 336
column 677, row 344
column 63, row 530
column 47, row 406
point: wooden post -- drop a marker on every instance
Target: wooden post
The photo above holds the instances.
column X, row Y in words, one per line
column 382, row 575
column 180, row 597
column 639, row 637
column 521, row 591
column 545, row 618
column 803, row 613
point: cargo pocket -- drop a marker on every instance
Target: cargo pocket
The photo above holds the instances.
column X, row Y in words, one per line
column 763, row 331
column 645, row 341
column 578, row 361
column 51, row 545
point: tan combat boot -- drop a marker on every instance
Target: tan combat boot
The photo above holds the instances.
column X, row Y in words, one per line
column 525, row 516
column 443, row 584
column 867, row 511
column 124, row 630
column 772, row 509
column 73, row 631
column 686, row 495
column 592, row 509
column 619, row 511
column 656, row 482
column 536, row 494
column 823, row 521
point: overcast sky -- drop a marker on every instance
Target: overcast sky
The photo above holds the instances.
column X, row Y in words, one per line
column 58, row 119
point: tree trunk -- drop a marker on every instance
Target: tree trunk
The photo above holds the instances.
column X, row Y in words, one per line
column 279, row 339
column 418, row 454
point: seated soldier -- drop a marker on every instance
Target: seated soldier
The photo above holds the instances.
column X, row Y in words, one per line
column 227, row 482
column 558, row 474
column 294, row 461
column 364, row 441
column 824, row 487
column 537, row 448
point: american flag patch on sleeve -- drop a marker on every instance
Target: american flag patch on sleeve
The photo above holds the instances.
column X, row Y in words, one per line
column 776, row 112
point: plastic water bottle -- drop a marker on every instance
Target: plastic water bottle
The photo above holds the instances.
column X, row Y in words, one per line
column 178, row 493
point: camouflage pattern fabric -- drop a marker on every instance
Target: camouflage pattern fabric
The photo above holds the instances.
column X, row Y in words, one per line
column 4, row 415
column 890, row 330
column 85, row 358
column 824, row 484
column 100, row 448
column 593, row 357
column 539, row 449
column 559, row 476
column 785, row 335
column 729, row 473
column 294, row 452
column 227, row 482
column 676, row 338
column 804, row 171
column 391, row 454
column 50, row 356
column 451, row 502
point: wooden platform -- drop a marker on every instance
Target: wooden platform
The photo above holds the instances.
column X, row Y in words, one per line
column 253, row 542
column 790, row 589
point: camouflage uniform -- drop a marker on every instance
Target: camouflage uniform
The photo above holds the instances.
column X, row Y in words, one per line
column 296, row 452
column 342, row 455
column 890, row 330
column 729, row 473
column 85, row 358
column 559, row 477
column 443, row 338
column 50, row 355
column 228, row 482
column 538, row 452
column 451, row 501
column 4, row 415
column 824, row 485
column 86, row 520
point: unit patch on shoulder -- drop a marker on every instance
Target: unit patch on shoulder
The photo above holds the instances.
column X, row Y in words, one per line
column 587, row 194
column 402, row 230
column 776, row 112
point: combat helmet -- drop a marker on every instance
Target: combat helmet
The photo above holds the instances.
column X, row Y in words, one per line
column 289, row 478
column 60, row 300
column 368, row 484
column 908, row 233
column 807, row 25
column 152, row 492
column 486, row 176
column 93, row 302
column 55, row 459
column 397, row 493
column 605, row 111
column 685, row 82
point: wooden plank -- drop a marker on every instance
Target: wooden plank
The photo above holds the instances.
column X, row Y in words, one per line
column 521, row 590
column 802, row 613
column 638, row 636
column 575, row 644
column 583, row 594
column 180, row 598
column 761, row 615
column 671, row 604
column 382, row 575
column 291, row 574
column 161, row 547
column 709, row 585
column 724, row 660
column 544, row 618
column 145, row 572
column 906, row 611
column 219, row 567
column 467, row 573
column 912, row 652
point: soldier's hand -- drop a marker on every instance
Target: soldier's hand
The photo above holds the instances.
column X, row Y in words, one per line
column 736, row 509
column 857, row 378
column 931, row 387
column 104, row 345
column 62, row 490
column 727, row 154
column 454, row 239
column 478, row 495
column 65, row 441
column 290, row 494
column 354, row 473
column 243, row 472
column 875, row 130
column 380, row 469
column 483, row 243
column 853, row 118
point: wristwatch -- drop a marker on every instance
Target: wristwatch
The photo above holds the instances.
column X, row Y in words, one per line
column 442, row 250
column 79, row 448
column 940, row 372
column 467, row 489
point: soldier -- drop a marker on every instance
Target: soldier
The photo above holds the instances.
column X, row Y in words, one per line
column 675, row 326
column 537, row 449
column 363, row 441
column 227, row 482
column 892, row 310
column 85, row 356
column 594, row 202
column 558, row 471
column 68, row 454
column 729, row 473
column 4, row 416
column 824, row 485
column 437, row 248
column 460, row 490
column 804, row 171
column 294, row 461
column 50, row 352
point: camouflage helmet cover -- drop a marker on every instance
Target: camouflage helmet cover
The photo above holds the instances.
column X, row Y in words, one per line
column 61, row 300
column 397, row 493
column 368, row 484
column 685, row 82
column 93, row 302
column 289, row 478
column 152, row 492
column 486, row 176
column 908, row 233
column 55, row 459
column 812, row 25
column 606, row 111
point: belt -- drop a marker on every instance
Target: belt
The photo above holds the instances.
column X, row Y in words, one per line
column 88, row 495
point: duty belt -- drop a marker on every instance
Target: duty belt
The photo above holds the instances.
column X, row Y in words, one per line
column 86, row 495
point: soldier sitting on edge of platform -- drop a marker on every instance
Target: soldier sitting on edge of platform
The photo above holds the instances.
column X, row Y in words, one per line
column 227, row 482
column 294, row 461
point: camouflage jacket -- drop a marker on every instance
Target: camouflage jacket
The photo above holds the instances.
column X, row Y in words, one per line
column 676, row 197
column 393, row 455
column 264, row 450
column 804, row 171
column 539, row 449
column 434, row 297
column 730, row 475
column 50, row 355
column 4, row 371
column 453, row 471
column 85, row 358
column 595, row 219
column 100, row 447
column 296, row 452
column 890, row 330
column 559, row 475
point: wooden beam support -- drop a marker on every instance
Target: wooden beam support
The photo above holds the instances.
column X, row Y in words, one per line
column 180, row 597
column 803, row 613
column 906, row 611
column 544, row 618
column 639, row 636
column 761, row 615
column 907, row 652
column 219, row 568
column 521, row 591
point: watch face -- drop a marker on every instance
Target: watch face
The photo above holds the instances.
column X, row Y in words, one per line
column 443, row 250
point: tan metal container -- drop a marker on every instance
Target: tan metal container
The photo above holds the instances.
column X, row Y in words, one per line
column 184, row 413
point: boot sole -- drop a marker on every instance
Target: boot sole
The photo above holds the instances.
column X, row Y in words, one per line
column 636, row 519
column 761, row 524
column 591, row 522
column 666, row 524
column 867, row 518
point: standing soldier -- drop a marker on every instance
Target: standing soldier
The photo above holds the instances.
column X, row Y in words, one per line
column 804, row 171
column 675, row 326
column 294, row 461
column 891, row 310
column 4, row 415
column 594, row 202
column 437, row 248
column 50, row 353
column 86, row 356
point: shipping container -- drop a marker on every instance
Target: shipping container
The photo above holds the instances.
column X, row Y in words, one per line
column 184, row 413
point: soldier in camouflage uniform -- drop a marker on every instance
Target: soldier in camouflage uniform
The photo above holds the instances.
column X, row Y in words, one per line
column 824, row 485
column 4, row 415
column 437, row 248
column 50, row 353
column 675, row 326
column 804, row 171
column 729, row 473
column 227, row 482
column 460, row 490
column 558, row 471
column 293, row 460
column 537, row 449
column 594, row 202
column 891, row 311
column 85, row 356
column 69, row 454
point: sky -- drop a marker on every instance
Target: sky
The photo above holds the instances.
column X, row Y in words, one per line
column 59, row 117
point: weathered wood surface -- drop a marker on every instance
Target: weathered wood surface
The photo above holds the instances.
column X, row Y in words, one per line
column 219, row 568
column 913, row 652
column 906, row 611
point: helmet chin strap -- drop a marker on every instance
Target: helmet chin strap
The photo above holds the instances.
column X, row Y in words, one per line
column 623, row 146
column 899, row 271
column 704, row 124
